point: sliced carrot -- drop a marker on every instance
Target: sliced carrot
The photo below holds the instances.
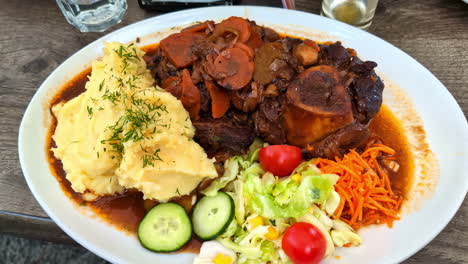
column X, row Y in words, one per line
column 248, row 50
column 178, row 48
column 198, row 27
column 364, row 187
column 190, row 95
column 172, row 85
column 239, row 24
column 233, row 68
column 219, row 99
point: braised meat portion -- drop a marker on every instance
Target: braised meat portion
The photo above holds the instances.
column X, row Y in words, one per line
column 239, row 80
column 268, row 120
column 317, row 105
column 223, row 135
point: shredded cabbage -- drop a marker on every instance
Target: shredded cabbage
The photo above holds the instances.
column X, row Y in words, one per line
column 279, row 202
column 286, row 198
column 231, row 169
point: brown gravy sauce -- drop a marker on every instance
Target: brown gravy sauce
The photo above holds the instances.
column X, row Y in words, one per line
column 125, row 211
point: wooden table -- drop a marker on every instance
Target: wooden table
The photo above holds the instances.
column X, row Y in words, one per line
column 35, row 39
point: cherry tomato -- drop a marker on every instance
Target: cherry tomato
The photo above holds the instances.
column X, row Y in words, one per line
column 281, row 160
column 304, row 243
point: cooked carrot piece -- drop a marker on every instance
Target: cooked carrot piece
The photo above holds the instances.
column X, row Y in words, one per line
column 233, row 68
column 239, row 24
column 190, row 95
column 173, row 85
column 245, row 48
column 198, row 27
column 219, row 99
column 171, row 81
column 178, row 48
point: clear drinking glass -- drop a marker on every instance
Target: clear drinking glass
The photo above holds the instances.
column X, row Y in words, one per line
column 93, row 15
column 358, row 13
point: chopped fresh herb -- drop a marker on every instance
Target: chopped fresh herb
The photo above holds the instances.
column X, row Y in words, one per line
column 90, row 111
column 148, row 160
column 127, row 55
column 101, row 85
column 100, row 108
column 112, row 96
column 177, row 191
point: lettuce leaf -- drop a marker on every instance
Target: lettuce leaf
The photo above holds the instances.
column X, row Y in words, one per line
column 286, row 198
column 231, row 169
column 246, row 251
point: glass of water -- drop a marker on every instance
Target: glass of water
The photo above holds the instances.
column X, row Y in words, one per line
column 93, row 15
column 358, row 13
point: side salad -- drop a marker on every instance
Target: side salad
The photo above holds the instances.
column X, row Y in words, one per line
column 268, row 207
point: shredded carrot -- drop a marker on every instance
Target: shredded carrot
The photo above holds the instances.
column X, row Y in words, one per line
column 364, row 187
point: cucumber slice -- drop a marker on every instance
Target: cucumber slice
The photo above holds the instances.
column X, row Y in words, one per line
column 165, row 228
column 212, row 215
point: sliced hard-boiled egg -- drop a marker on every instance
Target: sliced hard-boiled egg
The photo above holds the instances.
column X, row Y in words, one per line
column 213, row 252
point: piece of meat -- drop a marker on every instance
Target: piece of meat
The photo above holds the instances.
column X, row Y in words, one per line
column 365, row 88
column 367, row 97
column 290, row 43
column 248, row 98
column 353, row 136
column 269, row 35
column 334, row 55
column 267, row 120
column 318, row 105
column 205, row 100
column 160, row 67
column 216, row 135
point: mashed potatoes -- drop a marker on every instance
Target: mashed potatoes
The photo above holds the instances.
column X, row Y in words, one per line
column 122, row 132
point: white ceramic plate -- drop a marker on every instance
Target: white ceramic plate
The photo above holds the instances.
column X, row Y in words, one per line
column 446, row 126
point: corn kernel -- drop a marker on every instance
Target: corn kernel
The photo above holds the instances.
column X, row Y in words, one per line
column 222, row 259
column 256, row 221
column 296, row 177
column 272, row 233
